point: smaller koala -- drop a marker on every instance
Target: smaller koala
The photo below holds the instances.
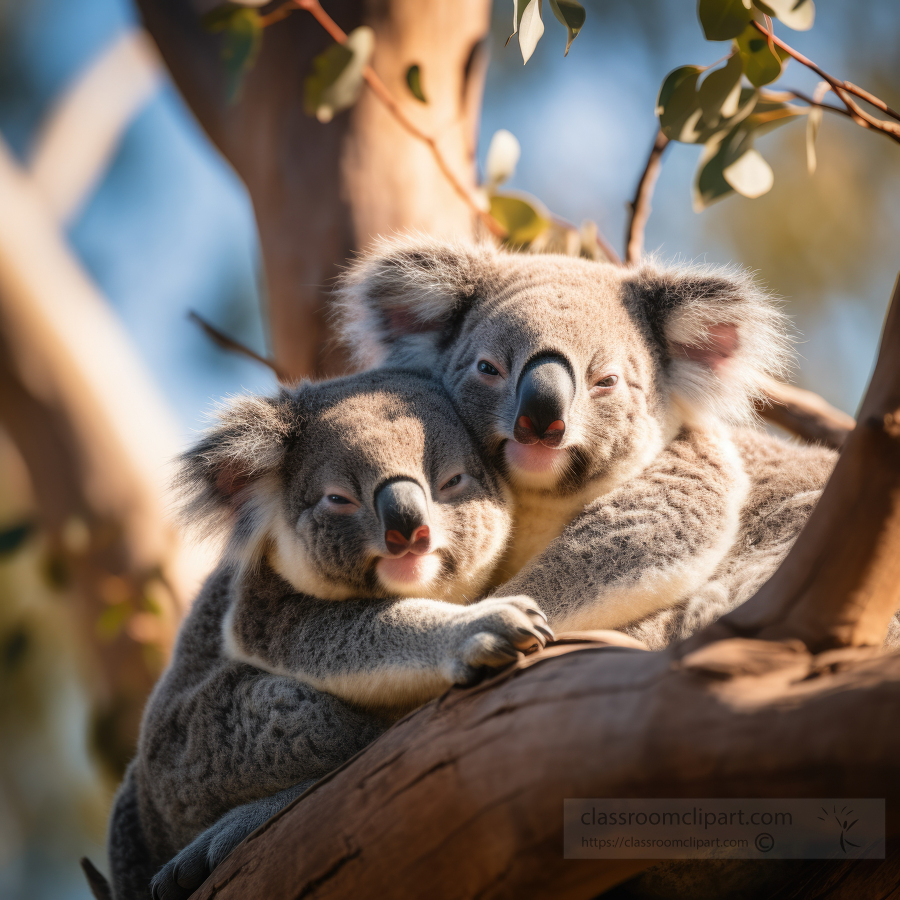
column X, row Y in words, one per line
column 343, row 503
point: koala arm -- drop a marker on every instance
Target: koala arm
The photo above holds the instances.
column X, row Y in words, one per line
column 645, row 545
column 383, row 654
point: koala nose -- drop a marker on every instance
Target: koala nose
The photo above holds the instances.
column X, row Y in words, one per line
column 403, row 512
column 545, row 393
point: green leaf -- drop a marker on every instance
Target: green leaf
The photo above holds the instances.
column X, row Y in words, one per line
column 678, row 106
column 796, row 14
column 710, row 184
column 723, row 20
column 749, row 174
column 502, row 157
column 531, row 27
column 572, row 15
column 414, row 82
column 761, row 66
column 12, row 538
column 337, row 75
column 521, row 218
column 720, row 92
column 242, row 32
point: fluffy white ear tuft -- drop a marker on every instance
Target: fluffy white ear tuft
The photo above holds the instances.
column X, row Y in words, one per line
column 720, row 332
column 228, row 480
column 396, row 302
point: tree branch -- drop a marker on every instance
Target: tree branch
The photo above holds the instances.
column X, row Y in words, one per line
column 640, row 206
column 805, row 414
column 450, row 803
column 228, row 343
column 843, row 89
column 840, row 583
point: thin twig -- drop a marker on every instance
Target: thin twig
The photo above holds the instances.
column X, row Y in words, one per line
column 841, row 88
column 640, row 206
column 227, row 343
column 380, row 90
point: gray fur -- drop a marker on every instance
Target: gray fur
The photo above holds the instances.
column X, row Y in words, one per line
column 660, row 510
column 273, row 683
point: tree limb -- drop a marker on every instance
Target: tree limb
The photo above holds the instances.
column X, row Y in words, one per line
column 95, row 437
column 840, row 583
column 464, row 797
column 640, row 206
column 805, row 414
column 842, row 88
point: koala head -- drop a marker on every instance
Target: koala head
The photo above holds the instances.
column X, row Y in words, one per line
column 366, row 486
column 568, row 371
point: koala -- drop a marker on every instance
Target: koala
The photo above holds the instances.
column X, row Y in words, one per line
column 342, row 504
column 617, row 404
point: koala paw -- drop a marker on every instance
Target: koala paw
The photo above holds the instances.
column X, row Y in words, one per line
column 181, row 876
column 494, row 633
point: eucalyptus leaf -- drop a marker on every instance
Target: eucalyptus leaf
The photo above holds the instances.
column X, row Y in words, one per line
column 337, row 75
column 521, row 218
column 723, row 20
column 531, row 27
column 678, row 105
column 750, row 174
column 761, row 65
column 719, row 94
column 572, row 15
column 502, row 157
column 414, row 83
column 710, row 184
column 242, row 32
column 796, row 14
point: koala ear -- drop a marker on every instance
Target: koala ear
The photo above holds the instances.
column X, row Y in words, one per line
column 227, row 478
column 721, row 335
column 404, row 297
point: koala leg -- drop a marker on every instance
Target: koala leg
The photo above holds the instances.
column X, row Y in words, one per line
column 130, row 860
column 181, row 876
column 387, row 654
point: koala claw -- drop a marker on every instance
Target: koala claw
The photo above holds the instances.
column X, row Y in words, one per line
column 496, row 632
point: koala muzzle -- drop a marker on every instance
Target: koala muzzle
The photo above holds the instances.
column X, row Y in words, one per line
column 545, row 394
column 402, row 509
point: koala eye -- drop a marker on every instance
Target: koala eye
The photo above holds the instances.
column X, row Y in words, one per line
column 485, row 368
column 338, row 499
column 453, row 482
column 605, row 384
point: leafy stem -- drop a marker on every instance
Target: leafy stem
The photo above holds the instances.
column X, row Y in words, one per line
column 843, row 89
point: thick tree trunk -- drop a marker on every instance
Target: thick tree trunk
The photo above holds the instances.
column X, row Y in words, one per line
column 324, row 191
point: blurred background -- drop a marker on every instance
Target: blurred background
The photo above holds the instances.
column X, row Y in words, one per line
column 161, row 225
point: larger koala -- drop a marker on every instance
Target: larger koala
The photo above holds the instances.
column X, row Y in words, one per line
column 614, row 401
column 343, row 502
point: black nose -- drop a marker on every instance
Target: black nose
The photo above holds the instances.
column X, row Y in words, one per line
column 545, row 393
column 403, row 512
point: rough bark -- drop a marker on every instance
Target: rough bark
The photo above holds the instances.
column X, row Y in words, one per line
column 464, row 798
column 323, row 191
